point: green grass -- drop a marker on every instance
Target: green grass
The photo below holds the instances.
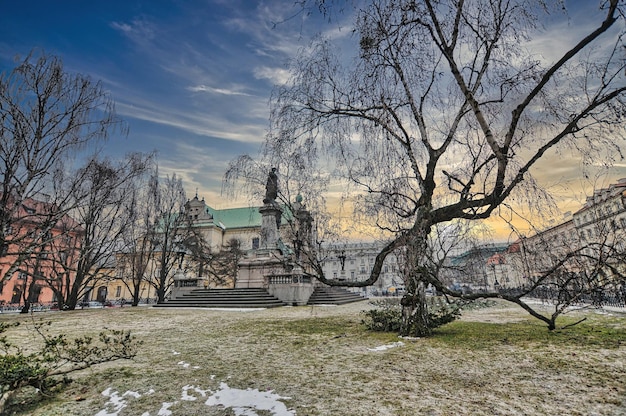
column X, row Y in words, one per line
column 480, row 335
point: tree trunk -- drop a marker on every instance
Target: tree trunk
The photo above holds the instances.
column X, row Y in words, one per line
column 415, row 319
column 26, row 307
column 160, row 295
column 136, row 293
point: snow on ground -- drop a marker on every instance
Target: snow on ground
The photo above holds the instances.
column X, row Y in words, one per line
column 388, row 346
column 242, row 402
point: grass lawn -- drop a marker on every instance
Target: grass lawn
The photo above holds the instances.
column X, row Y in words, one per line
column 321, row 361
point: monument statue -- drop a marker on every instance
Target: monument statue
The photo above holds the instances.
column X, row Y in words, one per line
column 271, row 187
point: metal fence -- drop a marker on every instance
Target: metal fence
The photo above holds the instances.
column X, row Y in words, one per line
column 597, row 298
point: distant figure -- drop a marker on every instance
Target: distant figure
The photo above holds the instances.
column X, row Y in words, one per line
column 271, row 187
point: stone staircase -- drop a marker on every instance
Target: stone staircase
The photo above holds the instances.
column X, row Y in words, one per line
column 327, row 295
column 224, row 298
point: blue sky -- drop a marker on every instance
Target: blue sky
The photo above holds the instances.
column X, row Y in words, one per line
column 191, row 78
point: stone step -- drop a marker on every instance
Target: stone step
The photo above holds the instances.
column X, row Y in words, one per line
column 224, row 298
column 333, row 296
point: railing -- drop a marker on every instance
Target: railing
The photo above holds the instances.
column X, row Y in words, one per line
column 616, row 299
column 287, row 279
column 35, row 307
column 613, row 298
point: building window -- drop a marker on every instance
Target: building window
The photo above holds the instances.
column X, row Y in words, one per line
column 255, row 243
column 118, row 291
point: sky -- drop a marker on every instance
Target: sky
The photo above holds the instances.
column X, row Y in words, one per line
column 193, row 78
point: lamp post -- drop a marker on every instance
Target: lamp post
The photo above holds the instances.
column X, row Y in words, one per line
column 496, row 285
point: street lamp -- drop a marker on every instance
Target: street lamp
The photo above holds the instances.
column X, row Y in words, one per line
column 496, row 285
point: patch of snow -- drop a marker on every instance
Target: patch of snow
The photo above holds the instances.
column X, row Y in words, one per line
column 243, row 402
column 223, row 309
column 164, row 410
column 183, row 364
column 116, row 402
column 175, row 353
column 386, row 347
column 188, row 397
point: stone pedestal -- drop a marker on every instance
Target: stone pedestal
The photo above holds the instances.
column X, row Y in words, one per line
column 183, row 284
column 294, row 288
column 270, row 224
column 252, row 270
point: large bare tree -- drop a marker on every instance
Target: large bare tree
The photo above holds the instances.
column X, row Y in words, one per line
column 46, row 115
column 444, row 111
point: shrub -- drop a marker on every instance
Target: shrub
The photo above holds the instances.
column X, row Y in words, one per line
column 49, row 366
column 386, row 317
column 387, row 314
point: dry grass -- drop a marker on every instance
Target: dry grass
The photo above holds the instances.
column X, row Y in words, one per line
column 494, row 361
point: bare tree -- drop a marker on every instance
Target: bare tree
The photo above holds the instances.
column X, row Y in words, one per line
column 46, row 115
column 445, row 111
column 136, row 253
column 99, row 219
column 222, row 266
column 170, row 230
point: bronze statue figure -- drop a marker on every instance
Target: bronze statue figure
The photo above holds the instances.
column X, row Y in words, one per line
column 271, row 187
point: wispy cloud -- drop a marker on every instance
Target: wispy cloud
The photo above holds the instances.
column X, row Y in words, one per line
column 139, row 30
column 204, row 88
column 201, row 124
column 278, row 76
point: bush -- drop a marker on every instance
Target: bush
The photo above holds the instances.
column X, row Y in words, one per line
column 387, row 315
column 49, row 366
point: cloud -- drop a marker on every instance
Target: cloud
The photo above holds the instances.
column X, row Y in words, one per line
column 204, row 88
column 201, row 124
column 278, row 76
column 139, row 30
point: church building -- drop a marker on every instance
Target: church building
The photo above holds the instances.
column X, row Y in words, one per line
column 220, row 226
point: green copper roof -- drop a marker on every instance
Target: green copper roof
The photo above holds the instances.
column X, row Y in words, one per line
column 236, row 217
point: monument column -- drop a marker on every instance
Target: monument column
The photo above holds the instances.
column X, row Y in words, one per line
column 270, row 217
column 271, row 214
